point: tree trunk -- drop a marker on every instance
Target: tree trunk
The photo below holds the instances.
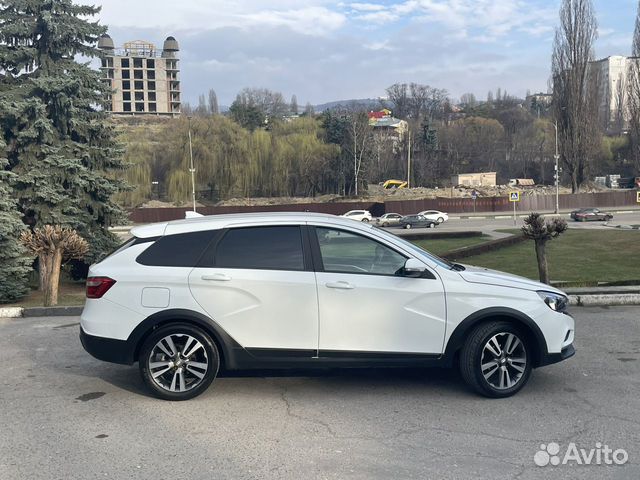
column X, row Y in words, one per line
column 50, row 276
column 541, row 255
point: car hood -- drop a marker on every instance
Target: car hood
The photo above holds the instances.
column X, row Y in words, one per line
column 494, row 277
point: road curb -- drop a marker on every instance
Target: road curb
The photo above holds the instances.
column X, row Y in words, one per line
column 11, row 312
column 21, row 312
column 604, row 300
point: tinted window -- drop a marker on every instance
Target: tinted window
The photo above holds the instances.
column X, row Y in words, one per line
column 273, row 248
column 344, row 252
column 181, row 250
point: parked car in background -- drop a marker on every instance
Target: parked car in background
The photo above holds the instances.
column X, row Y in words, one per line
column 590, row 215
column 417, row 221
column 435, row 215
column 389, row 219
column 359, row 215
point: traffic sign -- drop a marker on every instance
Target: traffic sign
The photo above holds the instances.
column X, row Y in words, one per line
column 514, row 196
column 638, row 196
column 474, row 194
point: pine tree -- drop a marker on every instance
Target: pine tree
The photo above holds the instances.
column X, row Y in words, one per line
column 15, row 266
column 294, row 105
column 61, row 144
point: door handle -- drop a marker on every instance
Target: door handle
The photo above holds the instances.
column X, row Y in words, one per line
column 340, row 285
column 216, row 277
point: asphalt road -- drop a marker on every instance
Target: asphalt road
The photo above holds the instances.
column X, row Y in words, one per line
column 65, row 415
column 486, row 224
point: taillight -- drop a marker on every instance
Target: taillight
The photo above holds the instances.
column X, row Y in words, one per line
column 98, row 286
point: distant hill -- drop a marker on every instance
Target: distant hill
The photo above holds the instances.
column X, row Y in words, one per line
column 364, row 103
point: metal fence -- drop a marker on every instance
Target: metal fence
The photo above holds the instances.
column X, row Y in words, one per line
column 528, row 203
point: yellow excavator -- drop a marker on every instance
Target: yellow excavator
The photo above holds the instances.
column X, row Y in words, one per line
column 394, row 184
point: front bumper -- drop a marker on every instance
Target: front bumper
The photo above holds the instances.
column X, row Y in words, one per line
column 551, row 358
column 108, row 349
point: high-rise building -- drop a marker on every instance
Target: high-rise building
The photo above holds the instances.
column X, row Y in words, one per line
column 612, row 77
column 143, row 80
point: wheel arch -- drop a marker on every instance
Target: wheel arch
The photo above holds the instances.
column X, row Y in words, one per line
column 533, row 333
column 226, row 345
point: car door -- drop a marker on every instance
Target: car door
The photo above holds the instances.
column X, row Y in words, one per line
column 258, row 284
column 366, row 304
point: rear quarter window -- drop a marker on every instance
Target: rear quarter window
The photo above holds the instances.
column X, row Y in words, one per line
column 179, row 250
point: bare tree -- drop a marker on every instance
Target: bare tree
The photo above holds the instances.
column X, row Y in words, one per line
column 540, row 232
column 358, row 143
column 201, row 110
column 398, row 94
column 308, row 109
column 52, row 245
column 574, row 88
column 633, row 95
column 468, row 100
column 213, row 103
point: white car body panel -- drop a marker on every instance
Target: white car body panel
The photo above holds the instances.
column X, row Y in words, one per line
column 260, row 308
column 381, row 313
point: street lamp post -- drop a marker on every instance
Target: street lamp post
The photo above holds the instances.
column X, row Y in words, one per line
column 557, row 171
column 192, row 170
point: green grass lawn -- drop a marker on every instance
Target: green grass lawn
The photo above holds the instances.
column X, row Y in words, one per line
column 442, row 245
column 582, row 257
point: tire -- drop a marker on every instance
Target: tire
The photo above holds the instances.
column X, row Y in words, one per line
column 432, row 225
column 440, row 220
column 478, row 351
column 407, row 226
column 178, row 382
column 365, row 220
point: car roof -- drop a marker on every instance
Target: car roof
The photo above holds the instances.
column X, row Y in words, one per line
column 212, row 222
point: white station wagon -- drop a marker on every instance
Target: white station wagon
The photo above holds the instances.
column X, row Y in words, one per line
column 187, row 298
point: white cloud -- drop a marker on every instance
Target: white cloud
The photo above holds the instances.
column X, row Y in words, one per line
column 367, row 7
column 314, row 17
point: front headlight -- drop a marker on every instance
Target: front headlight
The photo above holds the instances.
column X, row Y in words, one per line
column 554, row 301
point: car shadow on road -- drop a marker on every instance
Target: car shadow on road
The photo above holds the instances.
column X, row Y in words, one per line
column 355, row 379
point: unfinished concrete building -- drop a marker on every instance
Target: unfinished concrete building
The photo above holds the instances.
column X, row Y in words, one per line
column 143, row 79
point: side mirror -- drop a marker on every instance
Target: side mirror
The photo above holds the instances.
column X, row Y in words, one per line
column 414, row 267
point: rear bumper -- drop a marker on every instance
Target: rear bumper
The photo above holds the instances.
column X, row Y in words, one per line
column 108, row 349
column 551, row 358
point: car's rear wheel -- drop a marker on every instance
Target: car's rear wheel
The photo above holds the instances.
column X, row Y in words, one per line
column 179, row 361
column 365, row 220
column 440, row 220
column 407, row 226
column 432, row 225
column 496, row 360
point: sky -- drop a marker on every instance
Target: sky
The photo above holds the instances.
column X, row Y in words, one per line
column 323, row 50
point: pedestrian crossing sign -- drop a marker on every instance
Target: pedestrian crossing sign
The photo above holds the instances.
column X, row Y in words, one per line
column 514, row 196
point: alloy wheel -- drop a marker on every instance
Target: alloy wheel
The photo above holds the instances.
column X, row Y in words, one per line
column 503, row 361
column 178, row 363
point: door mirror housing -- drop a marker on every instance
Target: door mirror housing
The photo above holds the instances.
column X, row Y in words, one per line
column 415, row 268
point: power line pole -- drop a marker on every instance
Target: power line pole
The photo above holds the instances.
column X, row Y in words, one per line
column 409, row 160
column 192, row 170
column 557, row 171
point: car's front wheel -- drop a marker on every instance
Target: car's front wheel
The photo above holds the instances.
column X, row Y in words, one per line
column 407, row 226
column 440, row 220
column 179, row 361
column 496, row 360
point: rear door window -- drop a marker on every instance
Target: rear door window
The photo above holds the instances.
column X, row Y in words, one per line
column 267, row 248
